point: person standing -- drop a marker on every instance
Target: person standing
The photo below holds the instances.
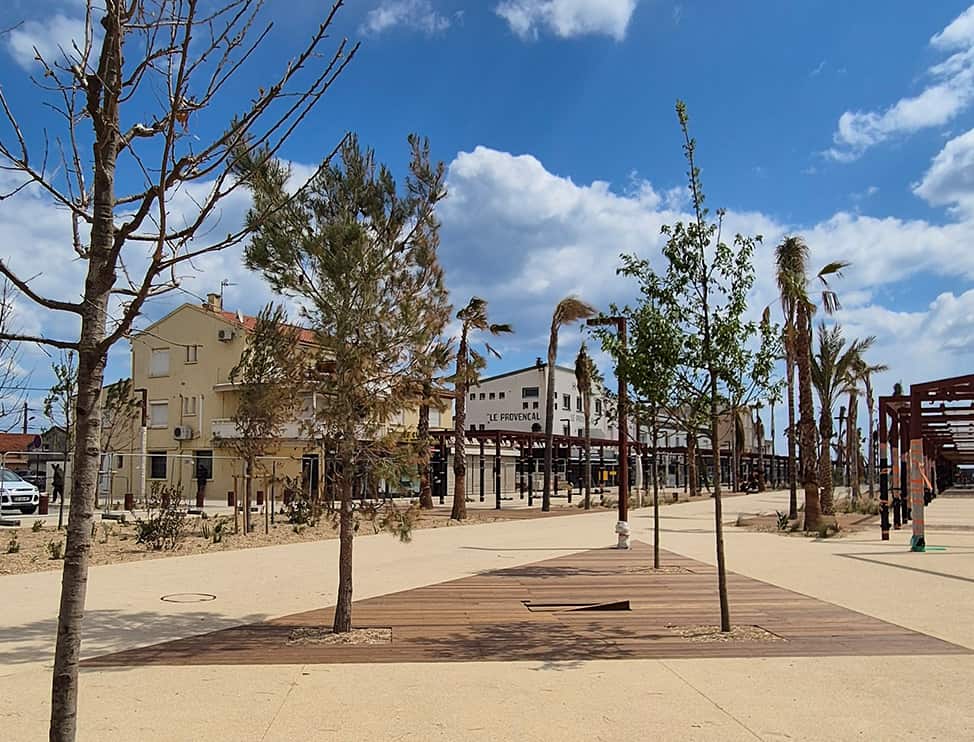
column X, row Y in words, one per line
column 57, row 483
column 201, row 477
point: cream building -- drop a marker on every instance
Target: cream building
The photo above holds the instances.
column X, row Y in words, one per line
column 181, row 367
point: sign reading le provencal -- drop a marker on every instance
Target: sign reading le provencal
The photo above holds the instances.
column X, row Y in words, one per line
column 502, row 417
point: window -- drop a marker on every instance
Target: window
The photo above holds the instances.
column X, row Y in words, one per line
column 189, row 406
column 472, row 427
column 578, row 404
column 524, row 405
column 483, row 396
column 491, row 395
column 598, row 407
column 202, row 460
column 157, row 464
column 436, row 418
column 481, row 426
column 158, row 414
column 500, row 395
column 566, row 401
column 159, row 362
column 535, row 405
column 192, row 353
column 529, row 391
column 472, row 396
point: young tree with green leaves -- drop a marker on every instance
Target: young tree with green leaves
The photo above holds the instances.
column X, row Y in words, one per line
column 469, row 364
column 705, row 286
column 650, row 361
column 568, row 311
column 361, row 255
column 269, row 380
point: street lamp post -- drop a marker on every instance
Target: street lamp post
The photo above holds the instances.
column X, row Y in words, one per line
column 568, row 449
column 622, row 527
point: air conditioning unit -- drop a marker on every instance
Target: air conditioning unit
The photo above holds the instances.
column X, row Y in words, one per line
column 224, row 336
column 182, row 432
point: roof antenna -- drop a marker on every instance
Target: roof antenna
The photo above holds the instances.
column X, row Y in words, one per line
column 223, row 284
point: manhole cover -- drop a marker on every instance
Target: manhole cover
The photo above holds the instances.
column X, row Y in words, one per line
column 188, row 598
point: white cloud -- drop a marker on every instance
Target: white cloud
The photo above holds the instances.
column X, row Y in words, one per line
column 523, row 238
column 414, row 15
column 53, row 38
column 950, row 179
column 949, row 92
column 567, row 18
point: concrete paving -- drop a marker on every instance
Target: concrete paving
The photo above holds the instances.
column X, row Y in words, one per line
column 792, row 698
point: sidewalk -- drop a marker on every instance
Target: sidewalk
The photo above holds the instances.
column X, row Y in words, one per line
column 781, row 698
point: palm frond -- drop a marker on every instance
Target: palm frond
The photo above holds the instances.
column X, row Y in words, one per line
column 571, row 309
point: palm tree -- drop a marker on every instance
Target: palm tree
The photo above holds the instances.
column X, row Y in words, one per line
column 831, row 367
column 867, row 371
column 569, row 310
column 791, row 258
column 585, row 375
column 469, row 365
column 759, row 434
column 852, row 433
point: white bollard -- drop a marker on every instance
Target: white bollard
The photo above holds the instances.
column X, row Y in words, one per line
column 622, row 529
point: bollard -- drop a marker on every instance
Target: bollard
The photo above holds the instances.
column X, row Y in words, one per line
column 260, row 497
column 231, row 499
column 129, row 503
column 42, row 505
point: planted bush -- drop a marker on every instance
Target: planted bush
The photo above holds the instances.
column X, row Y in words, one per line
column 162, row 528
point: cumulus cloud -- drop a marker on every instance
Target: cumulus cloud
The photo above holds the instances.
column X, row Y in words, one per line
column 53, row 39
column 413, row 15
column 950, row 179
column 948, row 92
column 567, row 18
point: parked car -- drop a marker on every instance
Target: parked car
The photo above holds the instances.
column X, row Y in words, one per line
column 16, row 494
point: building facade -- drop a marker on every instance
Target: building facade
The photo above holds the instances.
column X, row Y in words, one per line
column 181, row 372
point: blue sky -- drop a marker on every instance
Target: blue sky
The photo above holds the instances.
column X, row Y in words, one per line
column 850, row 123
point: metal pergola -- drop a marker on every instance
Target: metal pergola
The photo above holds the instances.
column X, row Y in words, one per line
column 926, row 434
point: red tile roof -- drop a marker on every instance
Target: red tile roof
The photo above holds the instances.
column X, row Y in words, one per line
column 249, row 322
column 18, row 441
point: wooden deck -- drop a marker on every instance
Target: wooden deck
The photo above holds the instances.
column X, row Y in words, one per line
column 485, row 618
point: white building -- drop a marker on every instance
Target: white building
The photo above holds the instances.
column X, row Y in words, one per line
column 516, row 401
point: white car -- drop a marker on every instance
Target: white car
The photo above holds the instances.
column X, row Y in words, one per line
column 16, row 494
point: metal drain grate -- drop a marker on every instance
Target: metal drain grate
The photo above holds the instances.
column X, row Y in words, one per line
column 615, row 605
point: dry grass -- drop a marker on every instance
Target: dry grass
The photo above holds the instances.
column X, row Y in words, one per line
column 704, row 633
column 114, row 542
column 361, row 637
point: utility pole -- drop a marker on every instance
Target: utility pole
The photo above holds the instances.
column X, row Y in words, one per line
column 622, row 527
column 25, row 418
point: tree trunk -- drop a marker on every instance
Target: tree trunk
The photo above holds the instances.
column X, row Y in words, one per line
column 423, row 431
column 346, row 534
column 587, row 402
column 91, row 371
column 759, row 430
column 693, row 479
column 852, row 448
column 655, row 494
column 806, row 423
column 792, row 462
column 248, row 494
column 459, row 511
column 549, row 421
column 725, row 624
column 825, row 460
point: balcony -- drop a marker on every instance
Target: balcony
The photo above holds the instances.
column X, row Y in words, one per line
column 224, row 428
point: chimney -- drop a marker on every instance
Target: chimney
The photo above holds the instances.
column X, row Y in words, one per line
column 214, row 302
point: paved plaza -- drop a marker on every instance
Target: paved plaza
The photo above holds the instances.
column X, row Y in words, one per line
column 878, row 591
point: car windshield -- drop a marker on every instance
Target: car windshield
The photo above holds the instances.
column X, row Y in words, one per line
column 9, row 476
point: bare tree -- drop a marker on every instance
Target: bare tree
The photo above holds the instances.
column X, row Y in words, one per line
column 139, row 96
column 269, row 379
column 13, row 380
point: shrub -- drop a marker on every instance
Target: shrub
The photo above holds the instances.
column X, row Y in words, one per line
column 14, row 546
column 162, row 528
column 38, row 526
column 55, row 549
column 106, row 531
column 782, row 520
column 219, row 526
column 301, row 511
